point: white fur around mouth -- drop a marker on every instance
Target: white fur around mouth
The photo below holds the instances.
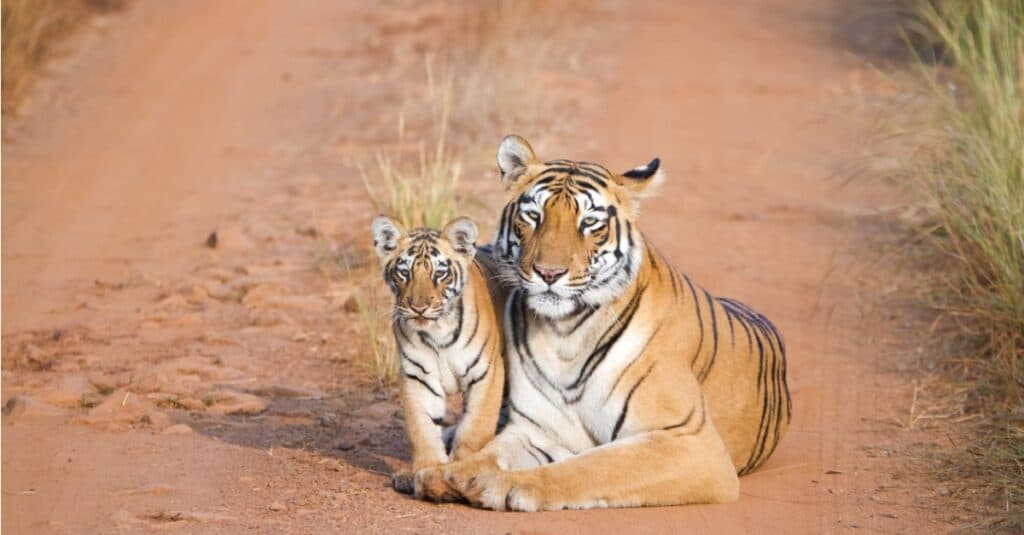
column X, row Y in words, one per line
column 550, row 304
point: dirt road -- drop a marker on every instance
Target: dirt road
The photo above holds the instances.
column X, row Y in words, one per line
column 172, row 385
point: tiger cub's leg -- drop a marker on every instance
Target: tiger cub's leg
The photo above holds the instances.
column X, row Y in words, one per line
column 482, row 403
column 480, row 418
column 423, row 407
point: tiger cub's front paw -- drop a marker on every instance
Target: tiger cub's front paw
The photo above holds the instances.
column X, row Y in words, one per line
column 403, row 481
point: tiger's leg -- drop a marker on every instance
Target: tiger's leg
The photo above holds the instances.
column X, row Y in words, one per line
column 423, row 407
column 687, row 464
column 482, row 405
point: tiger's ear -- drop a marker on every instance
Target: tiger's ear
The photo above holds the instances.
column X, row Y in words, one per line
column 515, row 155
column 461, row 232
column 643, row 180
column 386, row 234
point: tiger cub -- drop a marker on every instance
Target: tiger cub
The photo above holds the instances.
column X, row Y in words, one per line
column 448, row 336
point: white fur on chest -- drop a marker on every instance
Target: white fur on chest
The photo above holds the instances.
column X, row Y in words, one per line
column 573, row 399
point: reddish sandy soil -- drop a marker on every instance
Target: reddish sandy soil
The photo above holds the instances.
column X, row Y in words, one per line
column 162, row 384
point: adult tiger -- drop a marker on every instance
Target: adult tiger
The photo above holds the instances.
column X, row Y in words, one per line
column 628, row 384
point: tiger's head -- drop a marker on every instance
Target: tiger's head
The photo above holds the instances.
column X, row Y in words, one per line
column 425, row 269
column 568, row 234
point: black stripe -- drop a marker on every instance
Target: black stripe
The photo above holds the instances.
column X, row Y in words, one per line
column 700, row 426
column 409, row 359
column 549, row 458
column 458, row 327
column 523, row 414
column 517, row 316
column 476, row 324
column 426, row 341
column 477, row 379
column 437, row 421
column 700, row 321
column 732, row 332
column 424, row 383
column 532, row 454
column 477, row 359
column 625, row 405
column 630, row 366
column 706, row 368
column 608, row 339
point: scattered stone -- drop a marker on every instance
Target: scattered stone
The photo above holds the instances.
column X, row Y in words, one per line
column 35, row 358
column 277, row 506
column 155, row 489
column 211, row 240
column 345, row 445
column 124, row 519
column 120, row 407
column 378, row 411
column 70, row 392
column 233, row 403
column 232, row 239
column 158, row 420
column 20, row 406
column 286, row 391
column 351, row 304
column 177, row 429
column 183, row 516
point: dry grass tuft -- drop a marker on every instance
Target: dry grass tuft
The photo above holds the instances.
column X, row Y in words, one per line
column 30, row 31
column 476, row 90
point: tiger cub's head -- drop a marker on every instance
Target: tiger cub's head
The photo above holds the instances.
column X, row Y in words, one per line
column 568, row 233
column 426, row 269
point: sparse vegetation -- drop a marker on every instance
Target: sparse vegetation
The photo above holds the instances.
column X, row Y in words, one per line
column 31, row 29
column 422, row 194
column 971, row 169
column 375, row 309
column 474, row 92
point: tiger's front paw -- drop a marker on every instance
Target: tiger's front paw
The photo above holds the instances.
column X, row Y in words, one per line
column 502, row 491
column 430, row 484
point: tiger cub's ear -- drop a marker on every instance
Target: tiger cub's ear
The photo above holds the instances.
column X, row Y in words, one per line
column 461, row 232
column 643, row 180
column 386, row 234
column 515, row 155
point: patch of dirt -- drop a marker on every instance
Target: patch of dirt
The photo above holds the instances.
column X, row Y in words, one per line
column 157, row 377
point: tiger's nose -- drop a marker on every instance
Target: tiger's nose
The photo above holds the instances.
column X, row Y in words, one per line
column 418, row 309
column 549, row 274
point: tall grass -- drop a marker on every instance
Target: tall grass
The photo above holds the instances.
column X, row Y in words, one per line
column 972, row 172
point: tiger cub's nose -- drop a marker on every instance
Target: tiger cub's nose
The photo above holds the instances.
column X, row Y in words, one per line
column 418, row 309
column 549, row 274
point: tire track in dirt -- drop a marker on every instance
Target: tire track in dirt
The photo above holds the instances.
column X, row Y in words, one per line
column 241, row 117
